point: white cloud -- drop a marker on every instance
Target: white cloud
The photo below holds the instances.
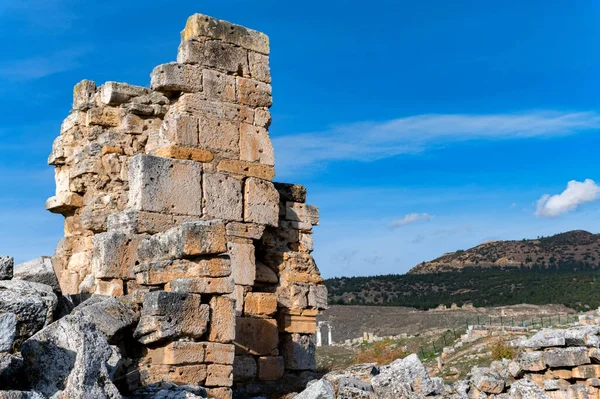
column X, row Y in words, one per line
column 576, row 193
column 411, row 218
column 370, row 141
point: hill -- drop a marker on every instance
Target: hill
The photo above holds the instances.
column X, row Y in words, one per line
column 546, row 252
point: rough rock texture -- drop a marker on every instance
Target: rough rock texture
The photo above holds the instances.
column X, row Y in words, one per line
column 73, row 357
column 8, row 329
column 38, row 270
column 110, row 316
column 401, row 376
column 321, row 389
column 6, row 267
column 167, row 390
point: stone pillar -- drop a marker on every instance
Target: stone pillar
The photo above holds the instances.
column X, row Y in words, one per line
column 330, row 341
column 319, row 337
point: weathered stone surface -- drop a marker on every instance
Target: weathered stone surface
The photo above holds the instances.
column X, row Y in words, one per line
column 64, row 203
column 300, row 212
column 114, row 93
column 165, row 185
column 291, row 192
column 563, row 357
column 320, row 389
column 219, row 375
column 178, row 353
column 83, row 363
column 161, row 272
column 586, row 371
column 110, row 316
column 244, row 368
column 220, row 136
column 32, row 303
column 171, row 315
column 223, row 196
column 270, row 368
column 8, row 329
column 139, row 222
column 260, row 304
column 298, row 352
column 532, row 361
column 487, row 380
column 184, row 152
column 176, row 77
column 317, row 296
column 218, row 85
column 216, row 54
column 247, row 328
column 297, row 323
column 194, row 374
column 169, row 390
column 245, row 230
column 259, row 66
column 265, row 274
column 202, row 285
column 187, row 240
column 243, row 268
column 114, row 255
column 253, row 93
column 222, row 320
column 6, row 267
column 393, row 379
column 261, row 202
column 243, row 168
column 20, row 395
column 219, row 353
column 255, row 145
column 38, row 270
column 83, row 95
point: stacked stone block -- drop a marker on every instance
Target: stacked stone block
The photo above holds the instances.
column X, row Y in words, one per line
column 168, row 199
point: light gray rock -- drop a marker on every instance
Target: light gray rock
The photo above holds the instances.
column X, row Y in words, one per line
column 168, row 390
column 6, row 267
column 543, row 339
column 401, row 377
column 20, row 395
column 38, row 270
column 176, row 77
column 32, row 303
column 524, row 389
column 73, row 357
column 321, row 389
column 8, row 329
column 566, row 357
column 531, row 361
column 111, row 317
column 487, row 380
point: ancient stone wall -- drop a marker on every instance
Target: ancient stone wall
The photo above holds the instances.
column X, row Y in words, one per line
column 169, row 203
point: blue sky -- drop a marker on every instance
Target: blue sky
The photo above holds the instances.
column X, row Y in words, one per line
column 418, row 127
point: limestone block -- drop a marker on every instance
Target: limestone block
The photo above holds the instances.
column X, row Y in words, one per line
column 38, row 270
column 6, row 267
column 566, row 357
column 487, row 380
column 183, row 152
column 219, row 353
column 243, row 268
column 219, row 135
column 238, row 296
column 307, row 243
column 182, row 375
column 222, row 320
column 260, row 304
column 219, row 375
column 261, row 202
column 59, row 153
column 244, row 368
column 243, row 168
column 298, row 352
column 115, row 255
column 255, row 145
column 114, row 93
column 297, row 324
column 215, row 54
column 299, row 212
column 176, row 77
column 251, row 231
column 83, row 95
column 586, row 371
column 219, row 393
column 219, row 86
column 265, row 274
column 132, row 124
column 178, row 353
column 553, row 385
column 248, row 328
column 199, row 25
column 139, row 222
column 110, row 316
column 293, row 296
column 291, row 192
column 259, row 67
column 262, row 117
column 103, row 116
column 253, row 93
column 270, row 368
column 181, row 129
column 197, row 104
column 64, row 203
column 202, row 285
column 222, row 196
column 317, row 296
column 110, row 287
column 165, row 185
column 171, row 315
column 161, row 272
column 8, row 330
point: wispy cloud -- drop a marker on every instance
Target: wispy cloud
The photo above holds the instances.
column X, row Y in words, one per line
column 576, row 194
column 371, row 141
column 41, row 66
column 411, row 218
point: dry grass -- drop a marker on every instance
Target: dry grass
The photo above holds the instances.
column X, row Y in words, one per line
column 382, row 352
column 500, row 350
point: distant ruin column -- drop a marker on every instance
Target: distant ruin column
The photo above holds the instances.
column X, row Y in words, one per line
column 329, row 334
column 319, row 337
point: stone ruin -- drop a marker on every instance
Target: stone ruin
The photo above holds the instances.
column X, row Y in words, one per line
column 169, row 203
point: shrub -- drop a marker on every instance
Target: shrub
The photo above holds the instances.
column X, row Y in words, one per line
column 501, row 350
column 382, row 352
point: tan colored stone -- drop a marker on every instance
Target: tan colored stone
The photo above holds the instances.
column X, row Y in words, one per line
column 219, row 393
column 222, row 196
column 192, row 374
column 261, row 202
column 219, row 375
column 140, row 222
column 114, row 255
column 201, row 285
column 222, row 316
column 262, row 118
column 297, row 324
column 299, row 212
column 259, row 66
column 178, row 353
column 219, row 353
column 113, row 287
column 161, row 272
column 270, row 368
column 243, row 268
column 246, row 169
column 248, row 328
column 586, row 371
column 64, row 203
column 83, row 95
column 564, row 374
column 181, row 129
column 218, row 85
column 219, row 135
column 186, row 153
column 112, row 150
column 198, row 105
column 103, row 116
column 255, row 145
column 265, row 274
column 176, row 77
column 253, row 92
column 260, row 304
column 245, row 230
